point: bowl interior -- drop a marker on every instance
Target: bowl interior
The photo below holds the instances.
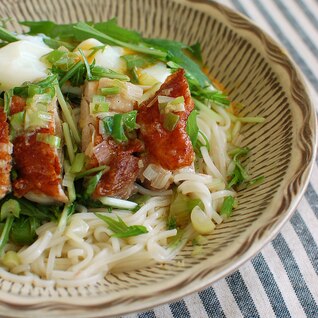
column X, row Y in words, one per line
column 254, row 72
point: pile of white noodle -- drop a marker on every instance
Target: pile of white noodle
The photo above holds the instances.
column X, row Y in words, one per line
column 84, row 252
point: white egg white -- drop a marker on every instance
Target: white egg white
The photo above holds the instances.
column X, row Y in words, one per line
column 108, row 56
column 20, row 62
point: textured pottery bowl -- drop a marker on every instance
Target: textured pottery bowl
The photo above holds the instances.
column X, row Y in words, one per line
column 255, row 72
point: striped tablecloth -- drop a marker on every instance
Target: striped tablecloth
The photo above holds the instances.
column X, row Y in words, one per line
column 282, row 280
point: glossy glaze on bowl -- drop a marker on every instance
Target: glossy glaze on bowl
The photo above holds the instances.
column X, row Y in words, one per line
column 256, row 72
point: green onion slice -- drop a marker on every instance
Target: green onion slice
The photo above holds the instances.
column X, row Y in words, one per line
column 110, row 90
column 8, row 208
column 170, row 121
column 118, row 203
column 51, row 140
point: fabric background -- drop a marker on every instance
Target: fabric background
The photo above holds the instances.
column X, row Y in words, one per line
column 282, row 280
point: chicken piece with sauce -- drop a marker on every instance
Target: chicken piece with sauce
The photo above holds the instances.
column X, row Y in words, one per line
column 168, row 146
column 36, row 129
column 101, row 148
column 5, row 155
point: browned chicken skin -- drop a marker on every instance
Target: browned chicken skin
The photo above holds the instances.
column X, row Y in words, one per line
column 5, row 155
column 169, row 149
column 37, row 163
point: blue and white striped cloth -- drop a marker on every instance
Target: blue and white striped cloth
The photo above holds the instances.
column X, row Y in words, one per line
column 282, row 280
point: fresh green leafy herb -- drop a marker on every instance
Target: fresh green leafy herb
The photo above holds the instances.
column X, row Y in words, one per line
column 120, row 228
column 239, row 174
column 38, row 211
column 76, row 75
column 98, row 72
column 7, row 36
column 175, row 54
column 138, row 60
column 53, row 30
column 45, row 86
column 55, row 44
column 227, row 206
column 112, row 29
column 87, row 66
column 195, row 50
column 86, row 30
column 23, row 230
column 251, row 183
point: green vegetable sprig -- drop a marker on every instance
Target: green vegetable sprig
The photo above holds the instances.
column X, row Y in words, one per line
column 120, row 229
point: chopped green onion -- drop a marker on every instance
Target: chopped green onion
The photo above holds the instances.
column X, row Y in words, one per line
column 68, row 116
column 181, row 207
column 177, row 100
column 17, row 121
column 91, row 171
column 118, row 132
column 168, row 104
column 51, row 140
column 129, row 120
column 68, row 181
column 239, row 174
column 170, row 121
column 92, row 183
column 10, row 207
column 199, row 105
column 120, row 228
column 7, row 100
column 99, row 99
column 192, row 128
column 118, row 203
column 99, row 107
column 68, row 210
column 149, row 93
column 78, row 163
column 227, row 207
column 68, row 142
column 98, row 104
column 201, row 222
column 110, row 90
column 34, row 89
column 11, row 259
column 256, row 120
